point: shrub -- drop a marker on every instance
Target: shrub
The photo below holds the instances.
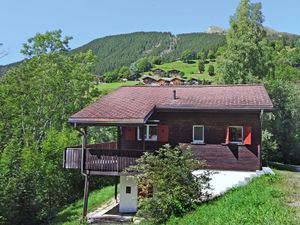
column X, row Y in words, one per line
column 177, row 190
column 201, row 66
column 211, row 70
column 156, row 60
column 187, row 56
column 143, row 65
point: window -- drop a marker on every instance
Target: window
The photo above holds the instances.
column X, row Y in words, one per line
column 128, row 190
column 236, row 134
column 150, row 132
column 198, row 133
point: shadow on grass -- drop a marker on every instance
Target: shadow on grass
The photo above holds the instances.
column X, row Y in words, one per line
column 281, row 166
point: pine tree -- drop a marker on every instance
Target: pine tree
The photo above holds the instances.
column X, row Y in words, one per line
column 211, row 70
column 201, row 66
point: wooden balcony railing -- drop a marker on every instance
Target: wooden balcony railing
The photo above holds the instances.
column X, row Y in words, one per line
column 104, row 160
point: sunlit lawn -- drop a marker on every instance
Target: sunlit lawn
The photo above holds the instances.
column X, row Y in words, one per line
column 265, row 200
column 107, row 87
column 71, row 215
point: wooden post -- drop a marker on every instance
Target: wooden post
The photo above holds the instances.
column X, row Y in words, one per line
column 143, row 137
column 83, row 149
column 86, row 196
column 116, row 188
column 119, row 138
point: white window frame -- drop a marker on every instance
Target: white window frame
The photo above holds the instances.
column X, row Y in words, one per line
column 237, row 142
column 147, row 126
column 203, row 136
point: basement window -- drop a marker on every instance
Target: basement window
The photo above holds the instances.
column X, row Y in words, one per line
column 236, row 134
column 198, row 134
column 150, row 132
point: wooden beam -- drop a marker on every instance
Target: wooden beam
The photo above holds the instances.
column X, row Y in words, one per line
column 143, row 137
column 85, row 196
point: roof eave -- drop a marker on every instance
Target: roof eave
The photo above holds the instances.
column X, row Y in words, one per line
column 94, row 122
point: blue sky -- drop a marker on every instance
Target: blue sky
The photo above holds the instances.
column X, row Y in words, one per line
column 86, row 20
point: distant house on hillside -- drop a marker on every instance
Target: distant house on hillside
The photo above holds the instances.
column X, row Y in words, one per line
column 158, row 71
column 177, row 81
column 174, row 73
column 149, row 80
column 220, row 124
column 163, row 81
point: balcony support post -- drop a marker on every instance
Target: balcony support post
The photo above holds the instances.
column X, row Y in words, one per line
column 119, row 138
column 116, row 187
column 86, row 195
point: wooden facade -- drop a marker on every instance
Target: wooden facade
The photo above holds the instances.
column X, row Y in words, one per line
column 214, row 150
column 176, row 128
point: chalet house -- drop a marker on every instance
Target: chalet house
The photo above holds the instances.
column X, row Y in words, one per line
column 158, row 71
column 149, row 80
column 174, row 73
column 177, row 81
column 164, row 81
column 221, row 124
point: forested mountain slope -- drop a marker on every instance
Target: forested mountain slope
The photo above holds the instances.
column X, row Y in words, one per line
column 113, row 52
column 121, row 50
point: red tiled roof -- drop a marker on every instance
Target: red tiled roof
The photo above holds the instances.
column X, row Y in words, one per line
column 135, row 103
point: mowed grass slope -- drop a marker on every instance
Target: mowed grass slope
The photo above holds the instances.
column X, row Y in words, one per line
column 71, row 214
column 107, row 87
column 265, row 200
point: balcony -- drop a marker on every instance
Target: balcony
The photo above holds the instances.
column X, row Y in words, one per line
column 101, row 159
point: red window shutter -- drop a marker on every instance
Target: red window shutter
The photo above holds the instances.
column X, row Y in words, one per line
column 129, row 133
column 227, row 136
column 162, row 133
column 247, row 135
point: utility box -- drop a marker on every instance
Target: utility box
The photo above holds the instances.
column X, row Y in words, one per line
column 128, row 194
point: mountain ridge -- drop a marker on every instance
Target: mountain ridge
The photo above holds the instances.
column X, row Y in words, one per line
column 115, row 51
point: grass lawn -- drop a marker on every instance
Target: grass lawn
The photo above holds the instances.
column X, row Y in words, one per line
column 190, row 69
column 107, row 87
column 71, row 215
column 265, row 200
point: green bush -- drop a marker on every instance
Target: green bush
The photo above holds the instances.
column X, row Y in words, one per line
column 177, row 190
column 211, row 70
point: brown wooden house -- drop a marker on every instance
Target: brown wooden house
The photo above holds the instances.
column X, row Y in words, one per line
column 164, row 81
column 221, row 124
column 149, row 80
column 174, row 73
column 177, row 81
column 158, row 71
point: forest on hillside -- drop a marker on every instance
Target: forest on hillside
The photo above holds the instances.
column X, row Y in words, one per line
column 116, row 51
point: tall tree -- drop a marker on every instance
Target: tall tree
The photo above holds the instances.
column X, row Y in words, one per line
column 201, row 65
column 51, row 41
column 187, row 56
column 243, row 60
column 37, row 97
